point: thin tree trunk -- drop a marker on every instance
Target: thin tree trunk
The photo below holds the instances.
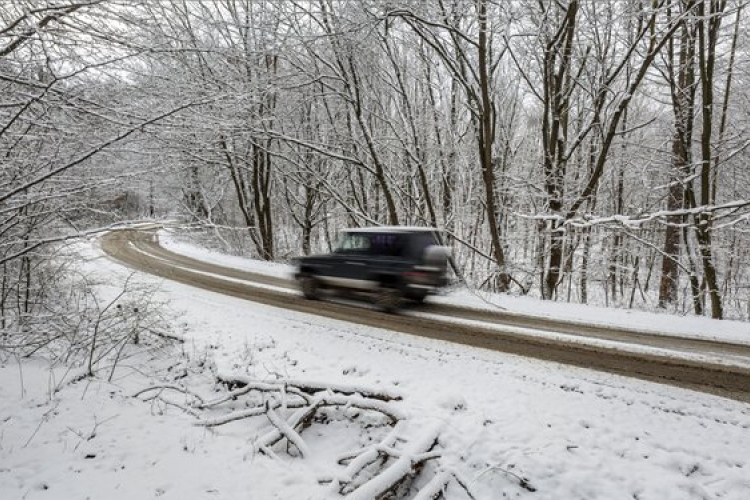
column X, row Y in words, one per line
column 708, row 31
column 238, row 181
column 485, row 140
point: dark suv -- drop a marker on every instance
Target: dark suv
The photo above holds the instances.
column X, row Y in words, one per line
column 388, row 263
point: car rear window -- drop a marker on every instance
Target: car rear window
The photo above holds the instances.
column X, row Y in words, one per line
column 418, row 242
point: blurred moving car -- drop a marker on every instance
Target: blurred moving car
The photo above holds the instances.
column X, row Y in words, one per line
column 390, row 264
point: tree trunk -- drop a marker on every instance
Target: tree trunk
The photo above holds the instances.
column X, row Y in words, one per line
column 669, row 269
column 554, row 137
column 485, row 140
column 682, row 87
column 708, row 32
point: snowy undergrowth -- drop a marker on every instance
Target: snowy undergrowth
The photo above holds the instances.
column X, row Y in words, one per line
column 507, row 425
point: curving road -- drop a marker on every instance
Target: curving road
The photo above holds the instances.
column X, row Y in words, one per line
column 140, row 249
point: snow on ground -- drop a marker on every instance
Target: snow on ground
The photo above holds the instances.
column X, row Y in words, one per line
column 570, row 433
column 660, row 324
column 173, row 241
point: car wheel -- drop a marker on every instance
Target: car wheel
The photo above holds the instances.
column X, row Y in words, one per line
column 309, row 287
column 417, row 297
column 388, row 299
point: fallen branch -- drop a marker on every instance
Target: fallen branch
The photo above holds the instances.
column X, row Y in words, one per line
column 435, row 487
column 308, row 387
column 384, row 470
column 406, row 466
column 284, row 429
column 238, row 415
column 368, row 457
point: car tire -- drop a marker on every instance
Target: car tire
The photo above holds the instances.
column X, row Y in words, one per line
column 388, row 299
column 309, row 287
column 417, row 297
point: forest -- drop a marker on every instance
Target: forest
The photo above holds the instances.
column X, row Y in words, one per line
column 586, row 151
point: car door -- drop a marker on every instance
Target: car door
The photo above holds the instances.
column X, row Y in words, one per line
column 385, row 255
column 352, row 271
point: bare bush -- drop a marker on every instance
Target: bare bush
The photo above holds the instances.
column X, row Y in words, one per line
column 80, row 326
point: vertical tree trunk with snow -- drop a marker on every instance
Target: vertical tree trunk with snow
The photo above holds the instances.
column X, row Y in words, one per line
column 709, row 23
column 682, row 86
column 557, row 72
column 485, row 141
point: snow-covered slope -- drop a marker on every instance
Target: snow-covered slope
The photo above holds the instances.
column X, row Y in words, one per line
column 508, row 424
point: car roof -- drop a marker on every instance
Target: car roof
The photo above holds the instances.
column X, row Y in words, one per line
column 391, row 229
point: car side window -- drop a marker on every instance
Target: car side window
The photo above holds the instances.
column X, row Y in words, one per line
column 386, row 245
column 354, row 243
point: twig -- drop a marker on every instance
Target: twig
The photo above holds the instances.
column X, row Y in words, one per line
column 522, row 481
column 169, row 387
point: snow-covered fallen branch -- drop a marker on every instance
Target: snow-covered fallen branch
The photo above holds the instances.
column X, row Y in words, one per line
column 385, row 469
column 407, row 465
column 311, row 387
column 388, row 468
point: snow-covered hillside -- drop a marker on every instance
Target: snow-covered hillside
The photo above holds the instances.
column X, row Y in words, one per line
column 509, row 427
